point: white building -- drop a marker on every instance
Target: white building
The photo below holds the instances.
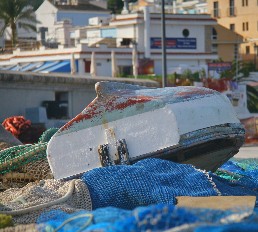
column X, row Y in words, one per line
column 172, row 6
column 74, row 13
column 188, row 45
column 188, row 38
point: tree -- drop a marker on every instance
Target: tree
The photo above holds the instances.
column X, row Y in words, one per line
column 17, row 11
column 116, row 6
column 35, row 3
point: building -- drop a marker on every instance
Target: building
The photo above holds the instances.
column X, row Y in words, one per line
column 242, row 18
column 173, row 6
column 188, row 38
column 56, row 20
column 226, row 43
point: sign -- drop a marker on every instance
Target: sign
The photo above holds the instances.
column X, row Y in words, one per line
column 220, row 66
column 174, row 43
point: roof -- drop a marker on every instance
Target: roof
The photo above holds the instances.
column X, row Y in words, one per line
column 80, row 7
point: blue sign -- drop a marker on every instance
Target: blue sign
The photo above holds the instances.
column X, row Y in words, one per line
column 219, row 66
column 174, row 43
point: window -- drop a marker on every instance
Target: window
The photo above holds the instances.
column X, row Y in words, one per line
column 244, row 2
column 231, row 7
column 214, row 48
column 216, row 9
column 232, row 27
column 247, row 50
column 245, row 26
column 185, row 32
column 214, row 34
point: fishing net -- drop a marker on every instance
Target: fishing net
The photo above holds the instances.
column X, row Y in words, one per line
column 159, row 217
column 238, row 177
column 146, row 182
column 27, row 203
column 151, row 182
column 136, row 197
column 22, row 164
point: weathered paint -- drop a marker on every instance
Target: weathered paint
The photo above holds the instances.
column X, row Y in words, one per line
column 113, row 103
column 150, row 121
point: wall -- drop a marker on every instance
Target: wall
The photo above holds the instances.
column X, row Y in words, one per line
column 79, row 18
column 242, row 14
column 19, row 91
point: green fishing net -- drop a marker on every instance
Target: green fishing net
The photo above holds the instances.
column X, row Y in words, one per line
column 25, row 163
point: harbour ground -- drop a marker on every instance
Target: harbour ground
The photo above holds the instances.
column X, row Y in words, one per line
column 247, row 152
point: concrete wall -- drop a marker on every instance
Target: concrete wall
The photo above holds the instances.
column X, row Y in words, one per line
column 19, row 91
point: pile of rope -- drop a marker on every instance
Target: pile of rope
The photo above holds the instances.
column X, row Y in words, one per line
column 16, row 125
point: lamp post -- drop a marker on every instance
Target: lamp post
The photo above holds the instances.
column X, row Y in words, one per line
column 163, row 43
column 255, row 55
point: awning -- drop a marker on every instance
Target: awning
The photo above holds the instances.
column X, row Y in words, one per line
column 9, row 67
column 63, row 66
column 32, row 66
column 46, row 65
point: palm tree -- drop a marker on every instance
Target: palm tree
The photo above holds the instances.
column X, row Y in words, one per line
column 13, row 12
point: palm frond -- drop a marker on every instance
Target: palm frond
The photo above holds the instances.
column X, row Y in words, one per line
column 28, row 26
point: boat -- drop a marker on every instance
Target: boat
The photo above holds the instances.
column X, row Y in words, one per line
column 126, row 123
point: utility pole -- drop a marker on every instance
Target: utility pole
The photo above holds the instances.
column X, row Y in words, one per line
column 163, row 44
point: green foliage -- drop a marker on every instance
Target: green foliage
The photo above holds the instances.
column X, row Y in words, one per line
column 116, row 6
column 5, row 221
column 14, row 12
column 171, row 78
column 36, row 3
column 241, row 67
column 252, row 99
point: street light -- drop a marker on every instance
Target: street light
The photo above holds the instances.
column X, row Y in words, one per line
column 163, row 43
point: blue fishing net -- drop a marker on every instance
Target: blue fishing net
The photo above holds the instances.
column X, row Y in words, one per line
column 142, row 197
column 243, row 181
column 158, row 217
column 149, row 181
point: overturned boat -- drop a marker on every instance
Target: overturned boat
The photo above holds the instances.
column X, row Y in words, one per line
column 126, row 123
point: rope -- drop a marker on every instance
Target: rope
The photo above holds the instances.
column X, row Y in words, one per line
column 87, row 215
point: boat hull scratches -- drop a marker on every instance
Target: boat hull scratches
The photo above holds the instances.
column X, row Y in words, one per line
column 205, row 149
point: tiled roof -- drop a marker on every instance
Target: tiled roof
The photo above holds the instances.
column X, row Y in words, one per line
column 81, row 7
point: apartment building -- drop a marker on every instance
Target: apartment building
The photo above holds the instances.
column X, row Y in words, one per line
column 240, row 16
